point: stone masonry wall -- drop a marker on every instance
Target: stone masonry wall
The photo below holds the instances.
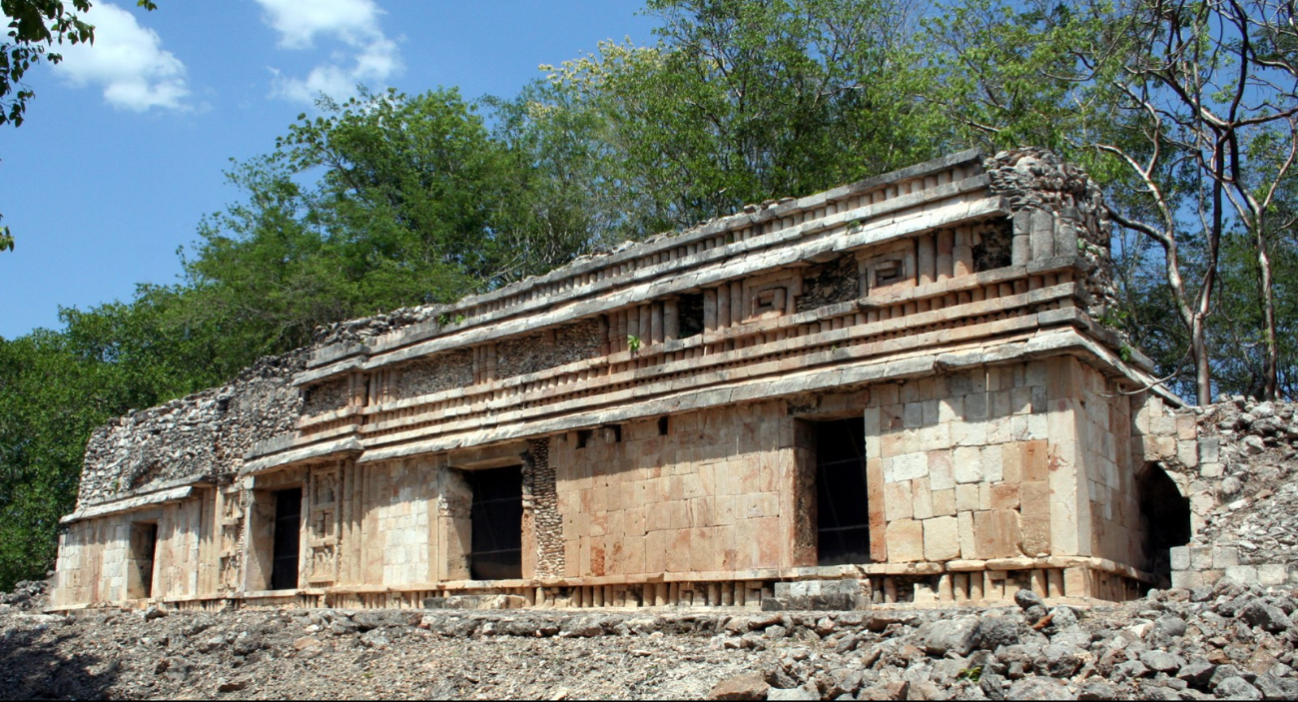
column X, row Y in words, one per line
column 1058, row 211
column 968, row 465
column 1104, row 442
column 705, row 496
column 396, row 528
column 1241, row 487
column 453, row 369
column 541, row 501
column 536, row 352
column 200, row 435
column 830, row 283
column 325, row 397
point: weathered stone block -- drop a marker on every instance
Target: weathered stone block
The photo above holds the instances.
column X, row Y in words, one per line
column 898, row 500
column 967, row 465
column 1180, row 557
column 1272, row 574
column 905, row 541
column 923, row 499
column 997, row 534
column 941, row 539
column 1005, row 496
column 1185, row 579
column 1209, row 449
column 1035, row 498
column 993, row 463
column 1035, row 461
column 966, row 498
column 941, row 475
column 1246, row 575
column 968, row 541
column 907, row 466
column 1223, row 557
column 1036, row 536
column 944, row 503
column 1164, row 426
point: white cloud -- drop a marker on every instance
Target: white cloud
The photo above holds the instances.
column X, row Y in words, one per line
column 368, row 56
column 127, row 60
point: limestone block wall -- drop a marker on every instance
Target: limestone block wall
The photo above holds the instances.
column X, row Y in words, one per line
column 92, row 563
column 97, row 563
column 1117, row 531
column 186, row 564
column 978, row 465
column 397, row 525
column 692, row 493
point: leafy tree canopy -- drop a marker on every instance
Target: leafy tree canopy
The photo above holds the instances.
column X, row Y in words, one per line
column 35, row 26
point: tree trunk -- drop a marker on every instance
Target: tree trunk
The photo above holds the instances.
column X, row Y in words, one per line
column 1202, row 369
column 1266, row 291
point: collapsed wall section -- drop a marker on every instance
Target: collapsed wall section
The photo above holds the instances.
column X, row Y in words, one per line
column 201, row 436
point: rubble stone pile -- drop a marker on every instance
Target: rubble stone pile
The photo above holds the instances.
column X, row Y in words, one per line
column 1246, row 458
column 27, row 595
column 1228, row 641
column 215, row 427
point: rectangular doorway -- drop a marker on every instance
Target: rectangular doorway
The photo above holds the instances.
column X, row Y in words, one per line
column 842, row 508
column 287, row 537
column 496, row 536
column 144, row 549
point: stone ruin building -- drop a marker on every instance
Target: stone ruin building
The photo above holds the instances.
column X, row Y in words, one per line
column 896, row 391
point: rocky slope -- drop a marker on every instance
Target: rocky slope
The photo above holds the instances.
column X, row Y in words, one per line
column 1253, row 471
column 1226, row 642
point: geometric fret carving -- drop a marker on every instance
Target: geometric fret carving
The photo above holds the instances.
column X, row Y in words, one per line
column 323, row 526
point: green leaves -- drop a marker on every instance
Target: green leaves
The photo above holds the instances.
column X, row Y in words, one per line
column 740, row 102
column 34, row 26
column 384, row 201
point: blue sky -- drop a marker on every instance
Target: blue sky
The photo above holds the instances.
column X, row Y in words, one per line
column 125, row 145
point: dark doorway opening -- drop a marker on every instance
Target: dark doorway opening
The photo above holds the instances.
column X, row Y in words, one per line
column 1165, row 518
column 842, row 511
column 497, row 524
column 288, row 531
column 144, row 547
column 691, row 314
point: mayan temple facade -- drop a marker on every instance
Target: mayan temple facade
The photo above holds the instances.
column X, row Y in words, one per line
column 900, row 391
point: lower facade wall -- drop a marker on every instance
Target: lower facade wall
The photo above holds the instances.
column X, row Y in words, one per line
column 1116, row 529
column 969, row 474
column 979, row 465
column 709, row 491
column 97, row 561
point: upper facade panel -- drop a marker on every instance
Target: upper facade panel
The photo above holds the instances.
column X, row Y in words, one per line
column 778, row 299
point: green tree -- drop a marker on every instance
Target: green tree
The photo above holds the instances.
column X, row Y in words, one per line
column 739, row 102
column 35, row 26
column 384, row 201
column 1161, row 100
